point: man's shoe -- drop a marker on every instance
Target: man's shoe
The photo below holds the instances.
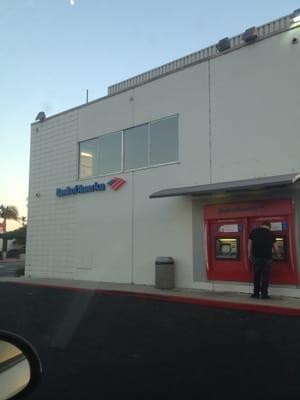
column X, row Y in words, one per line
column 265, row 297
column 255, row 295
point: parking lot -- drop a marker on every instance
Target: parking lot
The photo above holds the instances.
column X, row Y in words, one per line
column 109, row 344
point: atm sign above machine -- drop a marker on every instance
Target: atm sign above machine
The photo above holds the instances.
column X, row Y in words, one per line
column 277, row 226
column 230, row 228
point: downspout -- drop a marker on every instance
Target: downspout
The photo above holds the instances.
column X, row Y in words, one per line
column 209, row 121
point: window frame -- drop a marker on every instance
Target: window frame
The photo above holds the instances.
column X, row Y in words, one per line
column 121, row 154
column 79, row 159
column 149, row 140
column 122, row 132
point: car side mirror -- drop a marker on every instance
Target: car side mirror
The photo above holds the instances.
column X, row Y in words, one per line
column 20, row 366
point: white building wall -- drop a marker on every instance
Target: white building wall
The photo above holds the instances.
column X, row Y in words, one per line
column 108, row 115
column 163, row 227
column 102, row 240
column 102, row 236
column 51, row 223
column 185, row 93
column 229, row 128
column 255, row 110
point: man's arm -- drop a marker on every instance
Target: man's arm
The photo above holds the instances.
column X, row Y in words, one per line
column 249, row 248
column 276, row 249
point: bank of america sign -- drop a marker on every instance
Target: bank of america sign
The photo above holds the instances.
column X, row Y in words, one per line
column 115, row 184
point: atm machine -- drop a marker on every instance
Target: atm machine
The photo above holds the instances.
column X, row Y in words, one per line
column 226, row 250
column 227, row 228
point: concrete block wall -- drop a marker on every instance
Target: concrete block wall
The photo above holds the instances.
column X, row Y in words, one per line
column 53, row 162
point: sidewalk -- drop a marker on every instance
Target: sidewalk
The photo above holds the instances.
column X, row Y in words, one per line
column 12, row 261
column 239, row 301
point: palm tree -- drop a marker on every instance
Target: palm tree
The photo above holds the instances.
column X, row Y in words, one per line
column 8, row 212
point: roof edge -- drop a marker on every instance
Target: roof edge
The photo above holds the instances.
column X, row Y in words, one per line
column 229, row 186
column 264, row 31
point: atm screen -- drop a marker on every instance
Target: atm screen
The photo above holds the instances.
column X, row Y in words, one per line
column 281, row 241
column 227, row 248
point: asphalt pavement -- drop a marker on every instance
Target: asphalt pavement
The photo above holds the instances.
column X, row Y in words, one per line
column 106, row 345
column 12, row 268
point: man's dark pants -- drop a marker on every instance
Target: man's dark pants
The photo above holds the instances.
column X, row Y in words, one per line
column 261, row 275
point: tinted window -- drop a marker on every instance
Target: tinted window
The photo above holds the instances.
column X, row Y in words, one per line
column 164, row 141
column 88, row 158
column 110, row 149
column 136, row 147
column 145, row 145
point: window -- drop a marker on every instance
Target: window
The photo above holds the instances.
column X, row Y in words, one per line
column 164, row 141
column 109, row 156
column 88, row 158
column 143, row 146
column 101, row 156
column 136, row 147
column 151, row 144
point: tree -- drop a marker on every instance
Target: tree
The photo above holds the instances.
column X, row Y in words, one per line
column 8, row 212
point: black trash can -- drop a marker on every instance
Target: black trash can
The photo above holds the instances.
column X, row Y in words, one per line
column 164, row 273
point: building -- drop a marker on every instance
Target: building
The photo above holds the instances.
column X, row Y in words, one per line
column 180, row 161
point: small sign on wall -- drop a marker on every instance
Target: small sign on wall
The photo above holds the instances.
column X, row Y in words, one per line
column 279, row 226
column 230, row 228
column 115, row 184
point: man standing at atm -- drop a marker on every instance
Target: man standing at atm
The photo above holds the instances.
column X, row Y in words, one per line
column 261, row 243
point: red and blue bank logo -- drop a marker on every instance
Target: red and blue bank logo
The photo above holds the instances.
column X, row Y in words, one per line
column 115, row 184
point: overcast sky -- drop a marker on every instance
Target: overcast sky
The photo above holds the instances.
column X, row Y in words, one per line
column 52, row 51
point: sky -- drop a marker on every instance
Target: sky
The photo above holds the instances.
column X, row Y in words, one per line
column 52, row 51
